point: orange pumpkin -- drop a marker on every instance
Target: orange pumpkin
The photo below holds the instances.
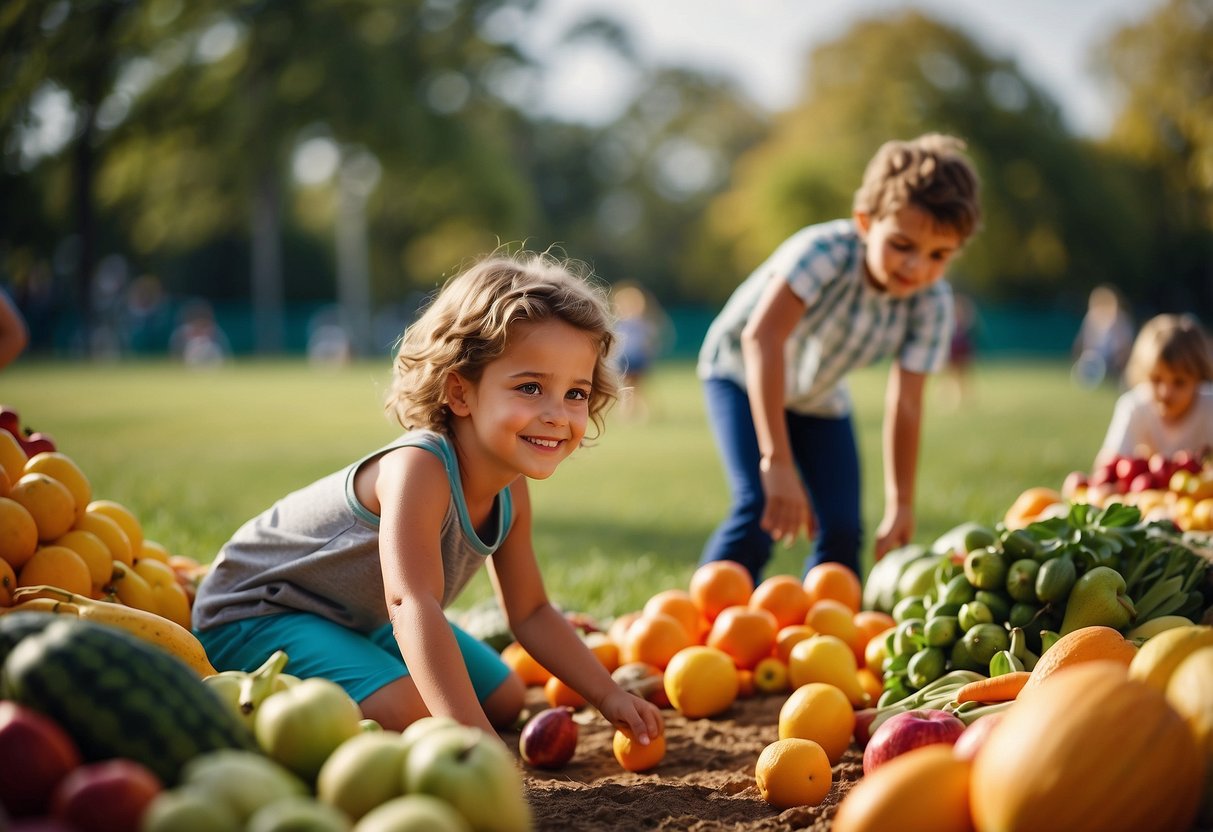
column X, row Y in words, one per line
column 924, row 790
column 1082, row 645
column 1088, row 749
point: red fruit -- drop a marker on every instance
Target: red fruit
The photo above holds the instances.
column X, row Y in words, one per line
column 10, row 421
column 909, row 730
column 549, row 738
column 863, row 725
column 35, row 755
column 1074, row 481
column 109, row 796
column 971, row 739
column 1142, row 482
column 1129, row 467
column 36, row 443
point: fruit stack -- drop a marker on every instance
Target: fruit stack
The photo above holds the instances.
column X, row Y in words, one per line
column 1177, row 487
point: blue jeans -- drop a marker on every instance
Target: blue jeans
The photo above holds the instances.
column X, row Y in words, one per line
column 827, row 457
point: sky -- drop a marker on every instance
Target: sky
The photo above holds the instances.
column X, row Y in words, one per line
column 764, row 43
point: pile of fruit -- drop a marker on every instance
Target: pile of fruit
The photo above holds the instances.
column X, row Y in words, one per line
column 1177, row 488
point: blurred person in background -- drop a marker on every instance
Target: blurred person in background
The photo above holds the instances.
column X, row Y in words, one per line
column 642, row 329
column 1104, row 339
column 14, row 334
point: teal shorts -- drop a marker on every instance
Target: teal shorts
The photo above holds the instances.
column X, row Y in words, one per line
column 361, row 663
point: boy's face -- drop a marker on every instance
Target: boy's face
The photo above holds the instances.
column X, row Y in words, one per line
column 907, row 250
column 1174, row 391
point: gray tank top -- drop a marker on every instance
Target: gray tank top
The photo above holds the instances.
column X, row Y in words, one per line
column 317, row 550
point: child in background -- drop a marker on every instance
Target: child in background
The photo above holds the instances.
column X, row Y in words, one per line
column 494, row 384
column 1169, row 405
column 832, row 298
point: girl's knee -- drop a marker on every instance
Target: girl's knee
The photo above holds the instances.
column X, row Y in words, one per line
column 395, row 706
column 504, row 704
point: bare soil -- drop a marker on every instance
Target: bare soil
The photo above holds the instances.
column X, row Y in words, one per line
column 706, row 781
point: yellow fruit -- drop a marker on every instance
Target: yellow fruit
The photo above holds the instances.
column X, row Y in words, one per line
column 8, row 582
column 56, row 566
column 701, row 681
column 94, row 553
column 636, row 757
column 924, row 790
column 18, row 531
column 1157, row 659
column 1190, row 693
column 168, row 597
column 793, row 772
column 152, row 549
column 821, row 713
column 49, row 502
column 829, row 659
column 111, row 535
column 131, row 588
column 12, row 457
column 61, row 467
column 125, row 518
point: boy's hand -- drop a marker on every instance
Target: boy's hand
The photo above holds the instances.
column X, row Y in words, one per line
column 638, row 717
column 895, row 530
column 787, row 508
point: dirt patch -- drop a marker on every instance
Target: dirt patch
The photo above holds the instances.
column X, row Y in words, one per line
column 705, row 782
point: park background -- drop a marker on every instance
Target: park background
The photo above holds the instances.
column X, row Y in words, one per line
column 291, row 167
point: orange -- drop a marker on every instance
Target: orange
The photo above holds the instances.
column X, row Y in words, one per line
column 56, row 566
column 833, row 618
column 720, row 584
column 834, row 581
column 531, row 672
column 819, row 712
column 745, row 684
column 677, row 603
column 560, row 695
column 793, row 772
column 61, row 467
column 18, row 531
column 619, row 626
column 169, row 596
column 701, row 681
column 48, row 501
column 825, row 658
column 868, row 625
column 876, row 651
column 787, row 637
column 12, row 456
column 784, row 597
column 94, row 553
column 5, row 482
column 154, row 550
column 636, row 757
column 605, row 650
column 111, row 535
column 125, row 518
column 870, row 682
column 654, row 639
column 132, row 588
column 8, row 582
column 746, row 634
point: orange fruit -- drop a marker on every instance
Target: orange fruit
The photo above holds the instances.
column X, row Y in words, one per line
column 8, row 582
column 636, row 757
column 18, row 531
column 94, row 553
column 5, row 482
column 48, row 501
column 719, row 584
column 12, row 456
column 771, row 675
column 619, row 626
column 605, row 650
column 833, row 618
column 701, row 681
column 825, row 658
column 819, row 712
column 61, row 467
column 745, row 684
column 876, row 651
column 745, row 633
column 870, row 682
column 132, row 588
column 793, row 772
column 125, row 518
column 784, row 597
column 868, row 625
column 560, row 695
column 787, row 637
column 111, row 535
column 836, row 582
column 677, row 604
column 531, row 672
column 654, row 639
column 56, row 566
column 154, row 550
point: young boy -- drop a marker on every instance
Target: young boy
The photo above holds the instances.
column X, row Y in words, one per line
column 832, row 298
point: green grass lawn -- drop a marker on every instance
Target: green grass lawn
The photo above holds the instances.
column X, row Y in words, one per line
column 196, row 453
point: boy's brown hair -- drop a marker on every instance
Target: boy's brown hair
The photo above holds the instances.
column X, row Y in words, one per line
column 1178, row 341
column 930, row 172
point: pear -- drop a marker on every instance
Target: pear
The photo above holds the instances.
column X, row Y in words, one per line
column 1098, row 599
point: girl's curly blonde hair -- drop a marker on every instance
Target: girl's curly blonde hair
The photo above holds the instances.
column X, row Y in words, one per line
column 1179, row 341
column 468, row 324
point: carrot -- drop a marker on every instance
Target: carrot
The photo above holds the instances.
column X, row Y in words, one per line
column 995, row 689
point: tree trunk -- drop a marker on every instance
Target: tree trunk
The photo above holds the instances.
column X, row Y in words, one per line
column 267, row 263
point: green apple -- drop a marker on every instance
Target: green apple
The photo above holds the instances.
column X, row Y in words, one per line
column 187, row 809
column 473, row 772
column 363, row 772
column 240, row 781
column 413, row 813
column 302, row 725
column 300, row 813
column 423, row 726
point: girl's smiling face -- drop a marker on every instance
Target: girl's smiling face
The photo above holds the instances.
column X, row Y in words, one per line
column 1173, row 390
column 530, row 407
column 907, row 250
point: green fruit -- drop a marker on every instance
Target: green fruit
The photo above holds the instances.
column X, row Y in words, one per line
column 363, row 772
column 1019, row 544
column 1098, row 598
column 959, row 590
column 979, row 537
column 1022, row 614
column 1021, row 579
column 475, row 773
column 1055, row 579
column 997, row 601
column 943, row 608
column 983, row 641
column 961, row 660
column 297, row 814
column 911, row 606
column 925, row 667
column 941, row 631
column 188, row 810
column 908, row 638
column 974, row 613
column 240, row 781
column 414, row 813
column 300, row 727
column 918, row 578
column 986, row 568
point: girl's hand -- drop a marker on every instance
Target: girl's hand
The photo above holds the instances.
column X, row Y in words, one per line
column 787, row 509
column 638, row 717
column 895, row 530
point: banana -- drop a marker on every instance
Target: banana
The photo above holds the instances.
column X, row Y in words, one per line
column 262, row 682
column 1158, row 625
column 155, row 629
column 227, row 684
column 1157, row 659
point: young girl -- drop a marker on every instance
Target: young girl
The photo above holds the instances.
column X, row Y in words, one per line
column 1169, row 406
column 494, row 384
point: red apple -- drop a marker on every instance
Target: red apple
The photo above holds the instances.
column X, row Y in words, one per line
column 1074, row 481
column 909, row 730
column 35, row 755
column 36, row 443
column 1142, row 482
column 10, row 421
column 863, row 725
column 967, row 746
column 549, row 738
column 1104, row 475
column 1128, row 467
column 107, row 796
column 1159, row 464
